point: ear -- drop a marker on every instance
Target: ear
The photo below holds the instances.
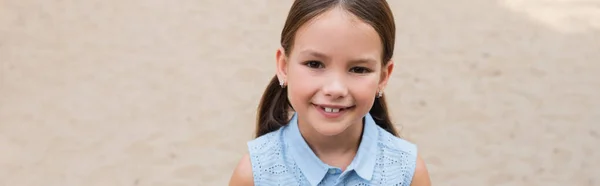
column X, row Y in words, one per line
column 281, row 61
column 386, row 73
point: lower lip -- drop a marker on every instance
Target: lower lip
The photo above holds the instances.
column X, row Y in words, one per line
column 331, row 114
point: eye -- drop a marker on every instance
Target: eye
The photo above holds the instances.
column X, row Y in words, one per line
column 314, row 64
column 360, row 70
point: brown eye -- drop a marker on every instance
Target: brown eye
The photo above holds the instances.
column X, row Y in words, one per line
column 314, row 64
column 360, row 70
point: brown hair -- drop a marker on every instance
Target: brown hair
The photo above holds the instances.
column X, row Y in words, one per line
column 274, row 107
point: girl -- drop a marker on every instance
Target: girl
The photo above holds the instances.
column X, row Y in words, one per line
column 323, row 119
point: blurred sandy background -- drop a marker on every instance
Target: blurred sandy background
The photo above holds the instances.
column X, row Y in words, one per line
column 163, row 93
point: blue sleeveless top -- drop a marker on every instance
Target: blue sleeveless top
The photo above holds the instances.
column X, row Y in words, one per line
column 282, row 157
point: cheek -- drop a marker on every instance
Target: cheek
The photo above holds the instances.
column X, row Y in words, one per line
column 301, row 85
column 364, row 94
column 365, row 86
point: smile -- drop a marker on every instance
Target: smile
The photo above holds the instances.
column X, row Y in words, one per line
column 332, row 111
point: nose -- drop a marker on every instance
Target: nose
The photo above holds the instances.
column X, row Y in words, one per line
column 335, row 87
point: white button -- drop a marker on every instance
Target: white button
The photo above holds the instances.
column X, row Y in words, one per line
column 331, row 171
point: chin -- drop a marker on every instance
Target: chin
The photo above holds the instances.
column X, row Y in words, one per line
column 331, row 130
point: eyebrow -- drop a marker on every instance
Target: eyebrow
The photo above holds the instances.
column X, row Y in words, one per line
column 325, row 57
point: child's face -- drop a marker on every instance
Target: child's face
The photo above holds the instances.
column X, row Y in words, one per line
column 334, row 71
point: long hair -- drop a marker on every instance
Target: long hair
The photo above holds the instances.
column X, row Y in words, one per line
column 274, row 108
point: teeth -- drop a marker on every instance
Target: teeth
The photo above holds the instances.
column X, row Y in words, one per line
column 332, row 109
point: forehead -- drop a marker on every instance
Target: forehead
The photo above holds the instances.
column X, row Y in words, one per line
column 340, row 34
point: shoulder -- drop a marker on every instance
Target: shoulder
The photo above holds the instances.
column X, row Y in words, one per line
column 265, row 143
column 407, row 151
column 394, row 143
column 242, row 175
column 421, row 175
column 261, row 152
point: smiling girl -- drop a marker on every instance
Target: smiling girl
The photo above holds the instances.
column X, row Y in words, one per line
column 323, row 119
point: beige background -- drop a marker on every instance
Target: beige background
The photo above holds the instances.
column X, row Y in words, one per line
column 156, row 92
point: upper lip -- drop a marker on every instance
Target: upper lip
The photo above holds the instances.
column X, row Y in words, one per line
column 332, row 106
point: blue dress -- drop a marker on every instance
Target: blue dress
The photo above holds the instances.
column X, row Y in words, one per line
column 282, row 157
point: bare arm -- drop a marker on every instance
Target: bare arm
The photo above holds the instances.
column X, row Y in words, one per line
column 421, row 176
column 242, row 175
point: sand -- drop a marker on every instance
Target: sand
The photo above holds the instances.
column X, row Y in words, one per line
column 155, row 93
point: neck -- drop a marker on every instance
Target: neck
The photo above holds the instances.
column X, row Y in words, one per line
column 338, row 150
